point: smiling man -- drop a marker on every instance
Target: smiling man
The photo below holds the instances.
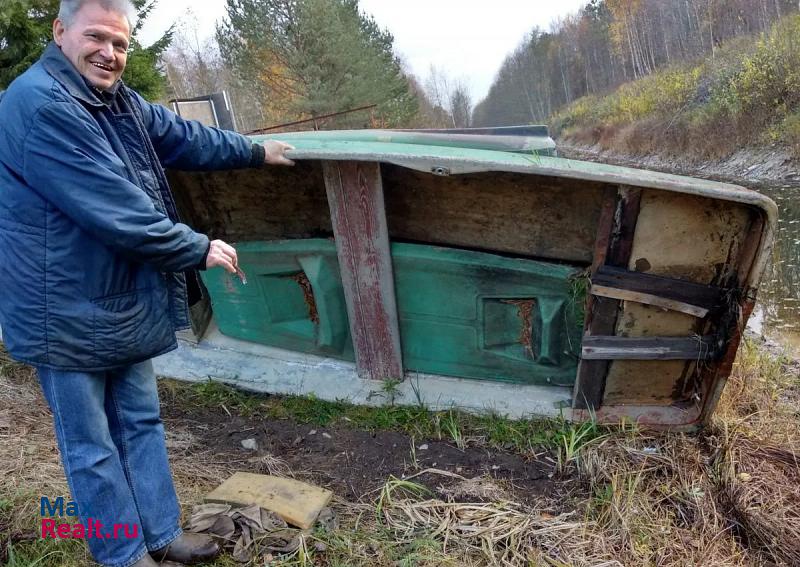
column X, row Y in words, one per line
column 96, row 269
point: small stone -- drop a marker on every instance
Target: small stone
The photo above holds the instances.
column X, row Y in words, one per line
column 327, row 520
column 320, row 547
column 250, row 444
column 495, row 468
column 423, row 447
column 326, row 435
column 312, row 432
column 459, row 469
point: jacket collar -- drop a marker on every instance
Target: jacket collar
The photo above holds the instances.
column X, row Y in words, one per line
column 63, row 71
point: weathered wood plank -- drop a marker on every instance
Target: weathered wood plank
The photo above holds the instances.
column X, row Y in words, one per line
column 714, row 378
column 605, row 230
column 705, row 296
column 646, row 348
column 625, row 222
column 355, row 196
column 242, row 205
column 613, row 243
column 648, row 299
column 521, row 214
column 750, row 247
column 527, row 215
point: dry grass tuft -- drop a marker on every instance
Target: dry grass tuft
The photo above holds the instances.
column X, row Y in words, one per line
column 504, row 533
column 478, row 488
column 275, row 466
column 762, row 398
column 29, row 465
column 762, row 486
column 652, row 501
column 757, row 434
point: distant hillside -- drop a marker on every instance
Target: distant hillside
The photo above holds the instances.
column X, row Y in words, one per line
column 613, row 42
column 746, row 94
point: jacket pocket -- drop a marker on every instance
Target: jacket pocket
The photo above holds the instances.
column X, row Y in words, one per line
column 130, row 327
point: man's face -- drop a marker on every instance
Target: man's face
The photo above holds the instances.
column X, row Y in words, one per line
column 96, row 42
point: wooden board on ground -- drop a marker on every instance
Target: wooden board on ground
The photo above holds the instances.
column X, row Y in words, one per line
column 296, row 502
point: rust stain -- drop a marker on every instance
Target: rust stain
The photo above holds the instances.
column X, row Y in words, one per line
column 525, row 313
column 308, row 296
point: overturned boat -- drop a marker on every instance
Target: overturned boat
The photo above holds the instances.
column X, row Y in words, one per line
column 474, row 269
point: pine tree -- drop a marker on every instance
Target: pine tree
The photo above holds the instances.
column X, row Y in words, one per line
column 25, row 29
column 314, row 57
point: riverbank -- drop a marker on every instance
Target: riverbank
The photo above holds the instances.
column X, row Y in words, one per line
column 771, row 164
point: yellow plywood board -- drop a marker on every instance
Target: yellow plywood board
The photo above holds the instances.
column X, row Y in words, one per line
column 296, row 502
column 687, row 237
column 678, row 236
column 638, row 320
column 648, row 381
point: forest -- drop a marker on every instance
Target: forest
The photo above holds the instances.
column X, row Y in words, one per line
column 690, row 63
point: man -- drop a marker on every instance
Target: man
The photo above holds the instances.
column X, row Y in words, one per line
column 94, row 265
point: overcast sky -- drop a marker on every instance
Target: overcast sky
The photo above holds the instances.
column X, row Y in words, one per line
column 468, row 39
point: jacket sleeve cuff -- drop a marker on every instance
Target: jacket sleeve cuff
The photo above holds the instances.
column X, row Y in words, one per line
column 258, row 155
column 202, row 264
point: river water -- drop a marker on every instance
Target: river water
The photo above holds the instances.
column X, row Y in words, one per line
column 777, row 313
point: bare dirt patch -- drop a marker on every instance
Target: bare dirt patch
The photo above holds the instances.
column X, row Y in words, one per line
column 354, row 463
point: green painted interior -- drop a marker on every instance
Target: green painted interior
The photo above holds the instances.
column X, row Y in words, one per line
column 461, row 313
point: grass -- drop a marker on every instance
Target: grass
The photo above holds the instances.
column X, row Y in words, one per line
column 728, row 496
column 449, row 425
column 490, row 429
column 573, row 439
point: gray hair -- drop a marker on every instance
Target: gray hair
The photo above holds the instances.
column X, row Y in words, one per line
column 68, row 9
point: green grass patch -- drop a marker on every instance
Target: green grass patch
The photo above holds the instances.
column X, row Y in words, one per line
column 47, row 553
column 491, row 429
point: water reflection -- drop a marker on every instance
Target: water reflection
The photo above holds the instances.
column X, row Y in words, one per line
column 778, row 311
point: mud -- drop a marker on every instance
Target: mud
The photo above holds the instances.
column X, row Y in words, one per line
column 355, row 463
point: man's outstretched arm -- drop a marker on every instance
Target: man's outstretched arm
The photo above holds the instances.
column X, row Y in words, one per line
column 189, row 145
column 68, row 162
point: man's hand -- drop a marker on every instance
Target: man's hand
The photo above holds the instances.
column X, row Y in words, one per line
column 222, row 254
column 276, row 153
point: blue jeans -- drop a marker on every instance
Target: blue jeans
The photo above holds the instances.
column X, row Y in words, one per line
column 111, row 440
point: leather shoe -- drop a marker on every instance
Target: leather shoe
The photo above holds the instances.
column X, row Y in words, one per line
column 188, row 548
column 148, row 561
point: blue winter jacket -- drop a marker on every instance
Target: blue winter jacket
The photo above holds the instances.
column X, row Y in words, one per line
column 92, row 253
